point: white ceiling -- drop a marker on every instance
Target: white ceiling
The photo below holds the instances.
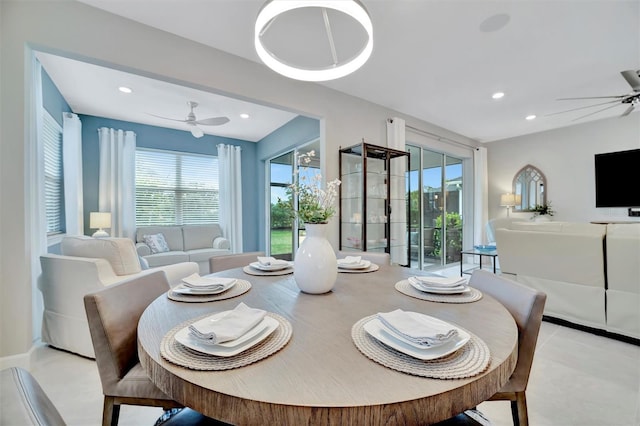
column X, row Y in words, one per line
column 439, row 61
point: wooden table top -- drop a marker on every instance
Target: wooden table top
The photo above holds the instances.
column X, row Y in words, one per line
column 320, row 377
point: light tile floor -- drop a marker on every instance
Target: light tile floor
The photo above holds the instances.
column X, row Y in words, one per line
column 577, row 379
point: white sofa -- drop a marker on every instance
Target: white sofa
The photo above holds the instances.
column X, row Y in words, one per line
column 188, row 243
column 623, row 279
column 87, row 265
column 590, row 272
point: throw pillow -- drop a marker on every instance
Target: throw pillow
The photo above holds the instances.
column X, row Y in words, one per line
column 156, row 243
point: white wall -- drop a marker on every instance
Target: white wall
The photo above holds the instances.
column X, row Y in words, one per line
column 566, row 157
column 82, row 32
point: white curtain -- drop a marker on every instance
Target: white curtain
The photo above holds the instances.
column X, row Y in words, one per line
column 36, row 198
column 480, row 195
column 72, row 160
column 230, row 181
column 116, row 193
column 396, row 139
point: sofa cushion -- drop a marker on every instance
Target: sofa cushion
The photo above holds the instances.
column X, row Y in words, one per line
column 200, row 236
column 119, row 252
column 156, row 243
column 172, row 235
column 201, row 255
column 168, row 258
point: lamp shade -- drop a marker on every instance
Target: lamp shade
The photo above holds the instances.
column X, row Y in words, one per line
column 507, row 200
column 99, row 220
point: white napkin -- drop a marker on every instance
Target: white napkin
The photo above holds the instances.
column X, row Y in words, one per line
column 270, row 261
column 229, row 327
column 439, row 282
column 350, row 260
column 195, row 281
column 408, row 327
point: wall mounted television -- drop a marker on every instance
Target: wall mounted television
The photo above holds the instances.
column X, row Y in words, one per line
column 618, row 179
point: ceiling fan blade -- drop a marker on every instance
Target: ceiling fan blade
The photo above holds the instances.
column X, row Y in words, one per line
column 628, row 110
column 196, row 131
column 633, row 78
column 167, row 118
column 213, row 121
column 583, row 107
column 595, row 112
column 592, row 97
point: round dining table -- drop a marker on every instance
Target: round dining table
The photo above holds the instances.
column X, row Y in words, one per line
column 320, row 377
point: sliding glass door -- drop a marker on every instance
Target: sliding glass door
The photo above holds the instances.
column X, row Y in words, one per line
column 435, row 185
column 285, row 233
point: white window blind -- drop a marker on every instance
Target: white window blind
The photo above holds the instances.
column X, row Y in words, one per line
column 176, row 188
column 53, row 184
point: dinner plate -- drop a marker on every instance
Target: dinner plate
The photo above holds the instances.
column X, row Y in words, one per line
column 379, row 332
column 440, row 290
column 257, row 265
column 362, row 265
column 182, row 289
column 233, row 347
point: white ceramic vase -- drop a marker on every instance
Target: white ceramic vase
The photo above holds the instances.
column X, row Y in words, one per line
column 315, row 268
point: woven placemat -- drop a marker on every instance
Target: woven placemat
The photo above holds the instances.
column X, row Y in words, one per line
column 405, row 287
column 176, row 353
column 470, row 360
column 241, row 287
column 253, row 271
column 372, row 268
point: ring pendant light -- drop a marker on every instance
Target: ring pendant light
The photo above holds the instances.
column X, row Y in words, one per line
column 272, row 9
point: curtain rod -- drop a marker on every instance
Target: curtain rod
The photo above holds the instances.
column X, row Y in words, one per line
column 438, row 137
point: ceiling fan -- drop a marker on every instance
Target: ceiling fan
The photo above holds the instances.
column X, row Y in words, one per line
column 193, row 123
column 631, row 99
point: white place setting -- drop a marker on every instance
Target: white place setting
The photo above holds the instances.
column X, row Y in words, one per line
column 208, row 288
column 420, row 345
column 267, row 265
column 227, row 339
column 355, row 264
column 435, row 288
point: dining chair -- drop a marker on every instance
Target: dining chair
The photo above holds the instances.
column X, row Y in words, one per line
column 380, row 259
column 113, row 315
column 526, row 306
column 230, row 261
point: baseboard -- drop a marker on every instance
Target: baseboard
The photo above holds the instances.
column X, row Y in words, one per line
column 22, row 360
column 596, row 331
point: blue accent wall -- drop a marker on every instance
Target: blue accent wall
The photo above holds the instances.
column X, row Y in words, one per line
column 172, row 140
column 296, row 132
column 52, row 99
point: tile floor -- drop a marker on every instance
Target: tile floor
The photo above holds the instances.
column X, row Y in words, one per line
column 577, row 379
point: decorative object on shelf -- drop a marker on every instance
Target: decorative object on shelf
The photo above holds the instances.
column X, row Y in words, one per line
column 315, row 267
column 542, row 212
column 275, row 10
column 100, row 220
column 509, row 200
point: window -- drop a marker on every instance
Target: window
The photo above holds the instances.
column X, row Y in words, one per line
column 176, row 188
column 53, row 181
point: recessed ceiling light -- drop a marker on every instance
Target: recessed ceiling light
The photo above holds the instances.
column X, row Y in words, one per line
column 125, row 89
column 243, row 115
column 530, row 117
column 498, row 95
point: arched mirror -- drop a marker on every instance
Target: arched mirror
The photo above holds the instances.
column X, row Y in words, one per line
column 531, row 185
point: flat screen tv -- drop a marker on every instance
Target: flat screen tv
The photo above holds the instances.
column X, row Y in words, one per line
column 618, row 179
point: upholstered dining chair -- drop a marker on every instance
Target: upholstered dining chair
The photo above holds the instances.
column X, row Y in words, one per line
column 230, row 261
column 113, row 315
column 526, row 305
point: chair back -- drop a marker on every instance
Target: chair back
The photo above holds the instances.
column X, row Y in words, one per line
column 113, row 315
column 231, row 261
column 526, row 306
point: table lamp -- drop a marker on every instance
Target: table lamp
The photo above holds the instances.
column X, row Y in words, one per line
column 100, row 220
column 508, row 200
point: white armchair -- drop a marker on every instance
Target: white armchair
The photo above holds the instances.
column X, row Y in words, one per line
column 88, row 265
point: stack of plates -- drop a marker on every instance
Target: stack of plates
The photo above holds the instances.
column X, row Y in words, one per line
column 270, row 264
column 379, row 331
column 353, row 262
column 231, row 347
column 439, row 285
column 197, row 285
